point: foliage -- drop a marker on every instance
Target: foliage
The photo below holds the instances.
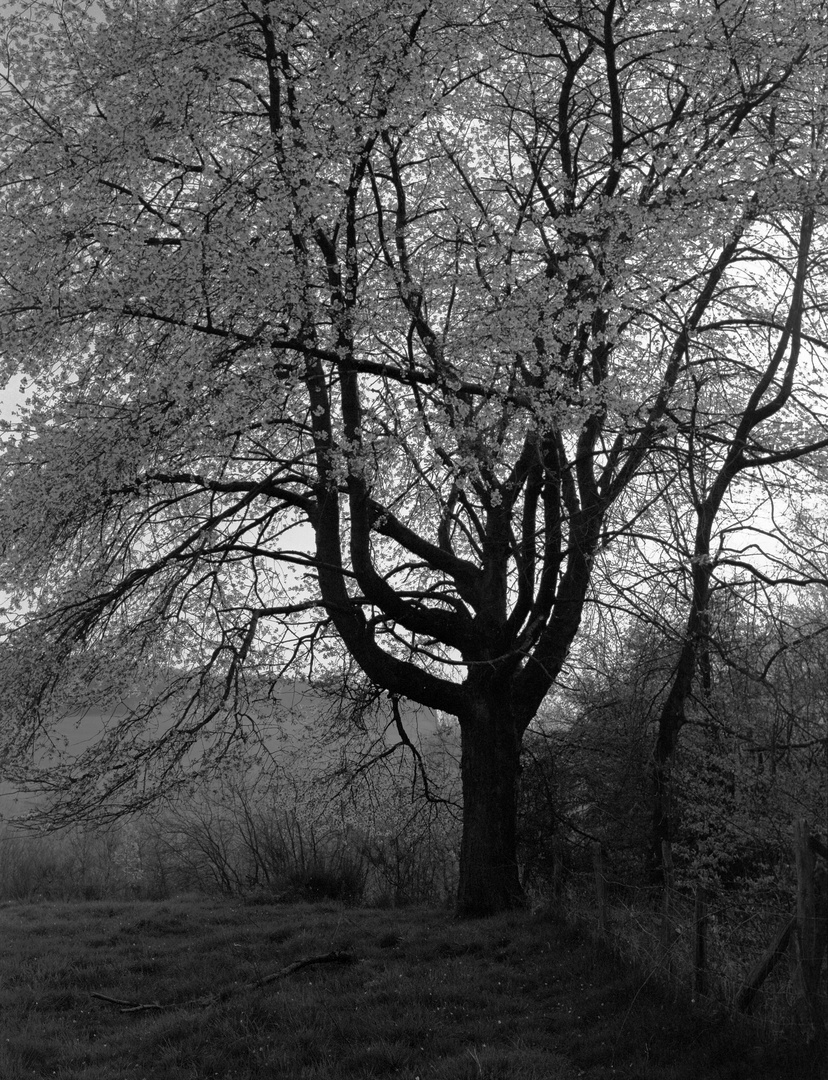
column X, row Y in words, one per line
column 752, row 758
column 755, row 758
column 78, row 864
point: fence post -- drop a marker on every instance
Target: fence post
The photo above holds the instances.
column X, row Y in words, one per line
column 809, row 936
column 600, row 889
column 667, row 904
column 700, row 941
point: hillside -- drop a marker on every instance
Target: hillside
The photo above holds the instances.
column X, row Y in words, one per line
column 288, row 727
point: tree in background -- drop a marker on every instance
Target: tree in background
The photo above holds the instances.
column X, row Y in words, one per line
column 754, row 758
column 364, row 325
column 750, row 761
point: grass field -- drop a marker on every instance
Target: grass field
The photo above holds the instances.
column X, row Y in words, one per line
column 517, row 997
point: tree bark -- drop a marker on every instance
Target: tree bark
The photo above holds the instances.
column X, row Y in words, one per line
column 490, row 763
column 673, row 713
column 670, row 723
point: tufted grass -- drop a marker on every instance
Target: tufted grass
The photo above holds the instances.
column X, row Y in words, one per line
column 517, row 997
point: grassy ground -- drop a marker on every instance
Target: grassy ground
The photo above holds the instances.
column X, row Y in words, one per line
column 512, row 998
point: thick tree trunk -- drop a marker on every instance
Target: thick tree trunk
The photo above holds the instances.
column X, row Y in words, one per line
column 490, row 761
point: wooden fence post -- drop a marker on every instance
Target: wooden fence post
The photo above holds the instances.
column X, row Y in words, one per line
column 809, row 930
column 700, row 941
column 600, row 889
column 667, row 904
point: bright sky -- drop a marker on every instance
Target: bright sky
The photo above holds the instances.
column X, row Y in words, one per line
column 9, row 398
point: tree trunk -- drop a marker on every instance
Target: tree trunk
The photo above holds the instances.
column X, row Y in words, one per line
column 662, row 809
column 670, row 722
column 490, row 762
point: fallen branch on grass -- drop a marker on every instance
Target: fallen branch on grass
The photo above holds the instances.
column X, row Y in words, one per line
column 203, row 1002
column 130, row 1006
column 325, row 958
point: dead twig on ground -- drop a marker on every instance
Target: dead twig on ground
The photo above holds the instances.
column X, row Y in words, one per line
column 336, row 957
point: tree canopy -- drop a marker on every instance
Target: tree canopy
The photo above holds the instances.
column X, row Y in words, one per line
column 367, row 324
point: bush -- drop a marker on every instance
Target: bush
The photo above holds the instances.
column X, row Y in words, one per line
column 77, row 863
column 342, row 879
column 361, row 836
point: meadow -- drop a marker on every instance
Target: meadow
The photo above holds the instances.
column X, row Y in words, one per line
column 196, row 987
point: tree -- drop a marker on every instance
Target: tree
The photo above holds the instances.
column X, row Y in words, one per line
column 751, row 758
column 732, row 432
column 365, row 322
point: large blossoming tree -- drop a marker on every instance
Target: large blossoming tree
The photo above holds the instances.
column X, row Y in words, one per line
column 369, row 322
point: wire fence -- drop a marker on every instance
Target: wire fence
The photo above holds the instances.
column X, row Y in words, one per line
column 728, row 952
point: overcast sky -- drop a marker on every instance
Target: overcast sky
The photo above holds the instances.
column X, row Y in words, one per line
column 9, row 396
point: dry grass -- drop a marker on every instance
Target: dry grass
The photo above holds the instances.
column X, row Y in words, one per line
column 518, row 997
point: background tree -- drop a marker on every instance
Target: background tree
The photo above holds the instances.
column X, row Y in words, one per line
column 744, row 419
column 751, row 758
column 401, row 296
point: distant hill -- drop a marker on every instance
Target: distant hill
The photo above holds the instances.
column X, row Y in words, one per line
column 293, row 727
